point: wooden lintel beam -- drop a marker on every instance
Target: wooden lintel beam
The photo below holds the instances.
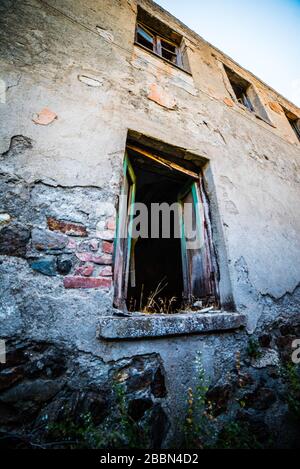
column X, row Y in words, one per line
column 162, row 161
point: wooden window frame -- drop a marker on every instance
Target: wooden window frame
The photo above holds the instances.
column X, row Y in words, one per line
column 123, row 247
column 122, row 242
column 157, row 45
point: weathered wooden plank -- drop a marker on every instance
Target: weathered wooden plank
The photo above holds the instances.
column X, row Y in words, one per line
column 164, row 162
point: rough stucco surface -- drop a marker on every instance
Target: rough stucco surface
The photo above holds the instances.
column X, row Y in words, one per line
column 78, row 61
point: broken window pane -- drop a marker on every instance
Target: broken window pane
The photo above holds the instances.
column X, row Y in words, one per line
column 169, row 51
column 245, row 93
column 160, row 39
column 144, row 38
column 241, row 95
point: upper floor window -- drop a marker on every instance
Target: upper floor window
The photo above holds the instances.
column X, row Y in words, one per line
column 166, row 49
column 246, row 95
column 294, row 122
column 160, row 39
column 240, row 87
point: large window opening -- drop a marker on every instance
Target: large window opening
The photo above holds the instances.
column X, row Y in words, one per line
column 163, row 255
column 156, row 272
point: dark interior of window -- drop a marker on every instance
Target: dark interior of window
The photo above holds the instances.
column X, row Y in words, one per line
column 240, row 88
column 157, row 262
column 169, row 51
column 160, row 28
column 159, row 38
column 241, row 95
column 296, row 126
column 145, row 38
column 294, row 122
column 163, row 272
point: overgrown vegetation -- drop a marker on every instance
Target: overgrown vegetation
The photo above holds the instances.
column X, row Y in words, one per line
column 156, row 303
column 197, row 428
column 253, row 349
column 118, row 431
column 201, row 429
column 237, row 435
column 291, row 375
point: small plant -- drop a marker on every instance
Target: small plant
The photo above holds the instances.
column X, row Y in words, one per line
column 75, row 435
column 118, row 431
column 292, row 377
column 159, row 305
column 128, row 433
column 201, row 429
column 237, row 435
column 197, row 428
column 253, row 349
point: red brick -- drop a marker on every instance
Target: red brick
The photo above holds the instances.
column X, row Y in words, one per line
column 105, row 259
column 85, row 270
column 87, row 282
column 106, row 271
column 45, row 117
column 69, row 228
column 107, row 247
column 161, row 97
column 228, row 102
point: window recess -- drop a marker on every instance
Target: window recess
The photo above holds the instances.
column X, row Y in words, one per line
column 161, row 40
column 145, row 38
column 245, row 94
column 170, row 267
column 240, row 88
column 294, row 122
column 241, row 95
column 160, row 46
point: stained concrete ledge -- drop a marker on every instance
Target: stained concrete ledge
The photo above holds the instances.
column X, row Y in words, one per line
column 142, row 325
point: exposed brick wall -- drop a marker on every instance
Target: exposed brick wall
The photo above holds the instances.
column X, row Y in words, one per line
column 80, row 252
column 87, row 260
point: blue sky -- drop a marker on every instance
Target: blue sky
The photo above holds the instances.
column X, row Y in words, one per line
column 261, row 35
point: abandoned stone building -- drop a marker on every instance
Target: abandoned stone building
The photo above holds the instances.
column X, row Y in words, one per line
column 103, row 105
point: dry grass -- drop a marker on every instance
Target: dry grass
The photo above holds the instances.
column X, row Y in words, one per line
column 159, row 305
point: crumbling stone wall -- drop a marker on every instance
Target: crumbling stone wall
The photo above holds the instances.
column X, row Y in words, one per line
column 74, row 84
column 43, row 386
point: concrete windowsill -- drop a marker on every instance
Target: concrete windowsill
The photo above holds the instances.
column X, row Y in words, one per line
column 144, row 325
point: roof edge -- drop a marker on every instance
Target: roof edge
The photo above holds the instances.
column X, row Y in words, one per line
column 198, row 37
